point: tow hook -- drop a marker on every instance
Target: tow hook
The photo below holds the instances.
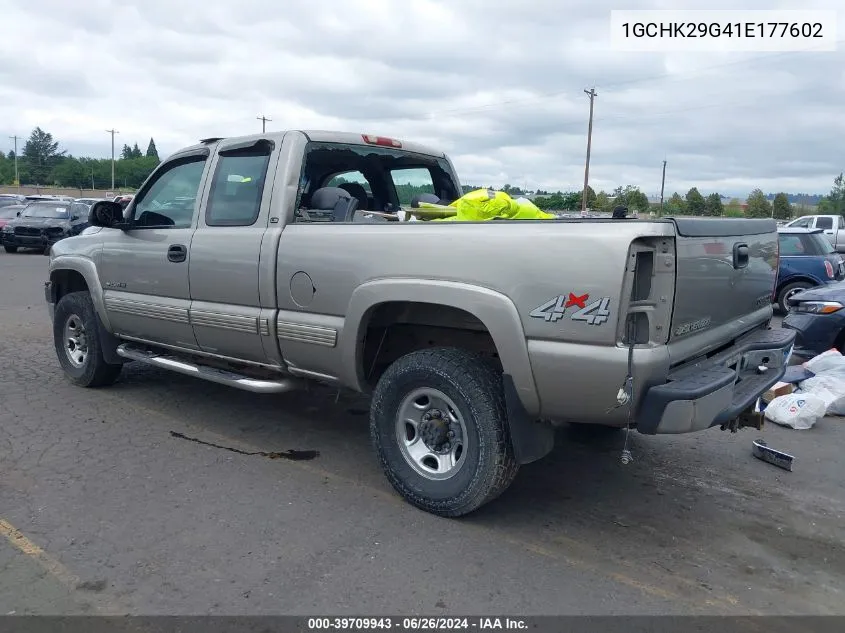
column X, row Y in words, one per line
column 752, row 417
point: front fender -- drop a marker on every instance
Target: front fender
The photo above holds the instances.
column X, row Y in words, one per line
column 495, row 310
column 88, row 269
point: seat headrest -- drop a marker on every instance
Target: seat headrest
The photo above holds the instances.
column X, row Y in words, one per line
column 326, row 198
column 357, row 191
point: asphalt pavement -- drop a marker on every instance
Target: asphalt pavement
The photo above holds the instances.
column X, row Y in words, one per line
column 153, row 497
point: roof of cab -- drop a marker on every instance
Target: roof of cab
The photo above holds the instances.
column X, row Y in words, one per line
column 320, row 136
column 798, row 229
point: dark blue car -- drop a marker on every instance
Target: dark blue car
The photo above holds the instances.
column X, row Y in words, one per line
column 818, row 318
column 807, row 260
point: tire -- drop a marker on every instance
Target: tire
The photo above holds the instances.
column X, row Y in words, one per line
column 11, row 249
column 456, row 380
column 81, row 358
column 790, row 289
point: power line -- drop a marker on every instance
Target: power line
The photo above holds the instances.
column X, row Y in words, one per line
column 626, row 82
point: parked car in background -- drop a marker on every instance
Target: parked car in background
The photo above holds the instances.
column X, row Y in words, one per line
column 833, row 227
column 818, row 318
column 41, row 224
column 807, row 260
column 9, row 212
column 89, row 201
column 7, row 199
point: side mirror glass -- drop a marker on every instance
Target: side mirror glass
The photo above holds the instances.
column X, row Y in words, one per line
column 74, row 218
column 18, row 214
column 105, row 214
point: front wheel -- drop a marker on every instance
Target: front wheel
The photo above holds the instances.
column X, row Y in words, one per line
column 75, row 336
column 787, row 291
column 11, row 249
column 439, row 425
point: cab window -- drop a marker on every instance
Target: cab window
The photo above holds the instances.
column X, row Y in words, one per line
column 169, row 200
column 824, row 223
column 238, row 186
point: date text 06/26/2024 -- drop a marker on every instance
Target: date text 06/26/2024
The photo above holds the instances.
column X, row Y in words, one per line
column 417, row 624
column 723, row 31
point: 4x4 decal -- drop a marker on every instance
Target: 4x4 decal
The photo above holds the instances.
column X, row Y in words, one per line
column 554, row 309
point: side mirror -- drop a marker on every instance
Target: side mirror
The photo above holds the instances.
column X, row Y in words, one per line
column 18, row 214
column 105, row 214
column 74, row 218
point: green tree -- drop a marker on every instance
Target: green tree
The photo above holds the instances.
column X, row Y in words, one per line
column 41, row 153
column 713, row 205
column 126, row 152
column 152, row 152
column 834, row 202
column 602, row 202
column 781, row 209
column 734, row 209
column 136, row 151
column 758, row 205
column 591, row 198
column 695, row 202
column 676, row 205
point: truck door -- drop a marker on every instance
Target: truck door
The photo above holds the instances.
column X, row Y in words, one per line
column 144, row 269
column 227, row 312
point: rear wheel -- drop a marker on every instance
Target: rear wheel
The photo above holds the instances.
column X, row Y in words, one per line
column 439, row 426
column 75, row 336
column 789, row 290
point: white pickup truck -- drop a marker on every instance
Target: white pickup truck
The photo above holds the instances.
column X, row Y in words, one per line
column 832, row 225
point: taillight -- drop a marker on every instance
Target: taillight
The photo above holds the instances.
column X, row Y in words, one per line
column 828, row 268
column 380, row 140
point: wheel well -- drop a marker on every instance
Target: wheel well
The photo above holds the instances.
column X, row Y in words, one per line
column 793, row 280
column 396, row 328
column 65, row 282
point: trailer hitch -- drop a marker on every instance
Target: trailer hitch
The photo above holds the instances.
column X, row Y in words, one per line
column 752, row 418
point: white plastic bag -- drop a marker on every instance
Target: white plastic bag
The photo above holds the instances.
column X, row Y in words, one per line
column 828, row 361
column 830, row 387
column 796, row 410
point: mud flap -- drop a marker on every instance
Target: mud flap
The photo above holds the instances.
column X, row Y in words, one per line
column 532, row 439
column 108, row 343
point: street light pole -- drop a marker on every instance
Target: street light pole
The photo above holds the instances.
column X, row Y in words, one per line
column 17, row 180
column 112, row 132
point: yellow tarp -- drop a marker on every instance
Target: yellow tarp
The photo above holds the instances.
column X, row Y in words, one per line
column 486, row 204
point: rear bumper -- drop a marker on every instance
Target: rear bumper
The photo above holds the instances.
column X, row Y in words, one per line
column 719, row 389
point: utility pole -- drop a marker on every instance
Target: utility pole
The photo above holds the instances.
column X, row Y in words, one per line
column 17, row 180
column 263, row 120
column 112, row 132
column 592, row 94
column 662, row 185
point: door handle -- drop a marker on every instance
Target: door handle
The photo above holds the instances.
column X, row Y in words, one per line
column 740, row 255
column 177, row 252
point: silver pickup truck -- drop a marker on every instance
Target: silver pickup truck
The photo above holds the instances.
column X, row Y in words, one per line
column 264, row 262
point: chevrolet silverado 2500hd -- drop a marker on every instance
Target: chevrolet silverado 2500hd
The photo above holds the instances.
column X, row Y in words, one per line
column 266, row 261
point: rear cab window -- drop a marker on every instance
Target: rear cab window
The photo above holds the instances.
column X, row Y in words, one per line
column 825, row 223
column 384, row 179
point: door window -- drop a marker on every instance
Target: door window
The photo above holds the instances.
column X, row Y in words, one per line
column 237, row 188
column 169, row 200
column 824, row 223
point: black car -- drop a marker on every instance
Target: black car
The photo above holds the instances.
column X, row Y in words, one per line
column 818, row 317
column 41, row 224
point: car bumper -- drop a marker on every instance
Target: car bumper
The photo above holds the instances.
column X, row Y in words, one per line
column 720, row 389
column 814, row 333
column 30, row 241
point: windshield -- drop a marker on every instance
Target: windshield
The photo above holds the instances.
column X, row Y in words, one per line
column 46, row 210
column 808, row 244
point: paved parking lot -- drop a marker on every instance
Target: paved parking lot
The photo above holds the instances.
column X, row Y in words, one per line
column 104, row 510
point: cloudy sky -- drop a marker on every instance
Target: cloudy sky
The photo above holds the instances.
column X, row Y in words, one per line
column 499, row 84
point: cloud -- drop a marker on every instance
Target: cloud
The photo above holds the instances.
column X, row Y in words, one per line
column 498, row 85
